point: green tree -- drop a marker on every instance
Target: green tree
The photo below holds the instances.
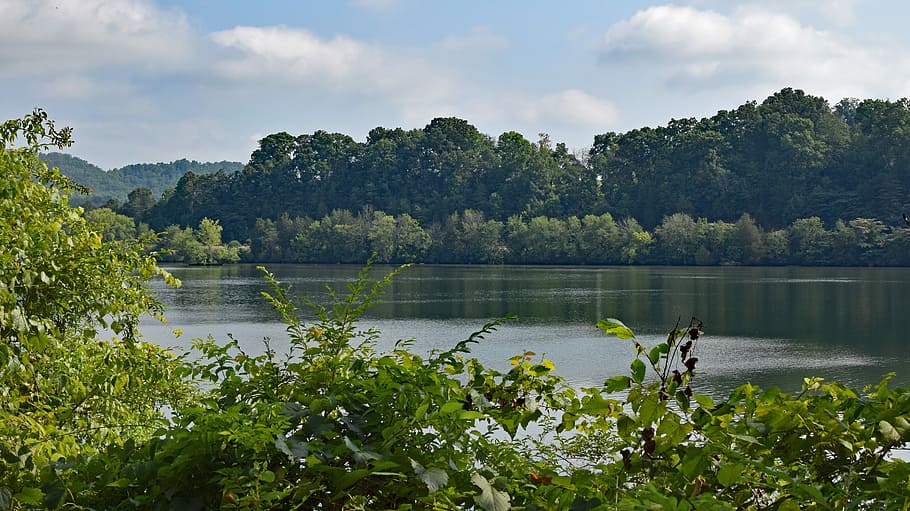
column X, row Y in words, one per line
column 637, row 242
column 67, row 390
column 138, row 203
column 412, row 241
column 113, row 226
column 677, row 239
column 382, row 236
column 776, row 247
column 209, row 232
column 810, row 242
column 547, row 240
column 746, row 246
column 177, row 242
column 599, row 240
column 264, row 242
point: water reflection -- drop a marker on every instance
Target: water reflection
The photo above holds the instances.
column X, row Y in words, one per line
column 771, row 326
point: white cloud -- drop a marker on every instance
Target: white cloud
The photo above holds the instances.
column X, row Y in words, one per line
column 39, row 37
column 574, row 107
column 839, row 12
column 338, row 65
column 78, row 86
column 571, row 107
column 294, row 54
column 752, row 49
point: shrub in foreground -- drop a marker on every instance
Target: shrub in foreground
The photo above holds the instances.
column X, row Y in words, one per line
column 331, row 423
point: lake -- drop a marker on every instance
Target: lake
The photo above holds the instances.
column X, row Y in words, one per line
column 771, row 326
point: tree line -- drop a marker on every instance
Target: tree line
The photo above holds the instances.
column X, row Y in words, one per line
column 799, row 169
column 95, row 417
column 110, row 188
column 468, row 237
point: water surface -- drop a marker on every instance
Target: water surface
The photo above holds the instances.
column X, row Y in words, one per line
column 769, row 326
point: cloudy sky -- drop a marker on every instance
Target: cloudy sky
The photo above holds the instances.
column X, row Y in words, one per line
column 158, row 80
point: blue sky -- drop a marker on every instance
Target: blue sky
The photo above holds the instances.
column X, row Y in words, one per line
column 158, row 80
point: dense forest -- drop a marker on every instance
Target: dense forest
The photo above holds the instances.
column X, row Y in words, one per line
column 113, row 186
column 95, row 417
column 790, row 180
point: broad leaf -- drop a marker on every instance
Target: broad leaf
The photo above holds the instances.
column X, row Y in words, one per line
column 728, row 474
column 657, row 351
column 617, row 384
column 490, row 498
column 888, row 432
column 31, row 496
column 612, row 326
column 638, row 370
column 435, row 478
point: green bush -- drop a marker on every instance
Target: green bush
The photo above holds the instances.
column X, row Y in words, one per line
column 75, row 375
column 331, row 423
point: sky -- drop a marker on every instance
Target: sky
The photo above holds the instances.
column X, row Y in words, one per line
column 160, row 80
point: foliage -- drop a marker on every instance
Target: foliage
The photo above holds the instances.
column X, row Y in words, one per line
column 66, row 390
column 780, row 162
column 789, row 157
column 118, row 184
column 686, row 185
column 331, row 423
column 113, row 226
column 827, row 448
column 593, row 239
column 200, row 246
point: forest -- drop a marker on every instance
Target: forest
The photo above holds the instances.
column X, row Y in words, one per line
column 112, row 186
column 94, row 416
column 790, row 180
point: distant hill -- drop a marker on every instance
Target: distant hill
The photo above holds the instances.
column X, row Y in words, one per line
column 118, row 183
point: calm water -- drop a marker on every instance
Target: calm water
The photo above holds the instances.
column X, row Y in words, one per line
column 770, row 326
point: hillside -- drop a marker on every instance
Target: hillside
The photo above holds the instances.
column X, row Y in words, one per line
column 118, row 183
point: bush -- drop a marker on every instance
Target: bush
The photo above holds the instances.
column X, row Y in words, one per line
column 75, row 375
column 333, row 424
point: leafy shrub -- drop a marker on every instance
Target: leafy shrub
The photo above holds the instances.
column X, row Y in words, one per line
column 333, row 424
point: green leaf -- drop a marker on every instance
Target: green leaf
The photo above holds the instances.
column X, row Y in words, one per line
column 31, row 496
column 788, row 505
column 683, row 400
column 704, row 401
column 471, row 415
column 652, row 408
column 435, row 478
column 888, row 432
column 54, row 493
column 746, row 438
column 348, row 479
column 612, row 326
column 267, row 476
column 360, row 455
column 294, row 448
column 617, row 384
column 451, row 407
column 596, row 405
column 490, row 498
column 638, row 370
column 657, row 351
column 693, row 464
column 728, row 474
